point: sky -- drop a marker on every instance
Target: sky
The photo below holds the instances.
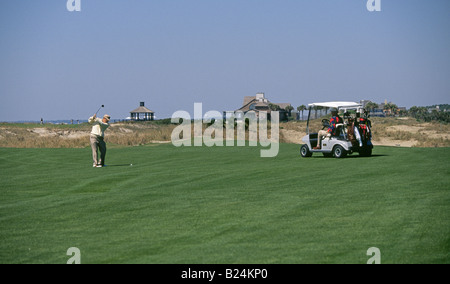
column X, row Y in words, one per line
column 170, row 54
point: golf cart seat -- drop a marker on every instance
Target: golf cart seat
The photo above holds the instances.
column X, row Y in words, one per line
column 340, row 131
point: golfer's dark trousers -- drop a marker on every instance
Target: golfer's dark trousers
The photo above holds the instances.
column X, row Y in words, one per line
column 97, row 143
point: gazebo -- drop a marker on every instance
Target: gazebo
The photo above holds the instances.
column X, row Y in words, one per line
column 142, row 113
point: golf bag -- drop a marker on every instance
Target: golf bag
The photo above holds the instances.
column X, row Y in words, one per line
column 364, row 129
column 358, row 131
column 353, row 133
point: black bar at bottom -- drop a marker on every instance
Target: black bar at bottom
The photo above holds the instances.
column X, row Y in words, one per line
column 215, row 273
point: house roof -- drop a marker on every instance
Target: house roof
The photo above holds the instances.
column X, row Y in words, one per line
column 249, row 100
column 261, row 104
column 142, row 109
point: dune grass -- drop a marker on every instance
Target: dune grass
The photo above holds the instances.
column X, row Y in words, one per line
column 224, row 205
column 29, row 135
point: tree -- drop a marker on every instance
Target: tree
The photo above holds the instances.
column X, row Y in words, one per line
column 274, row 107
column 422, row 113
column 301, row 108
column 289, row 109
column 403, row 113
column 371, row 106
column 390, row 108
column 387, row 109
column 394, row 108
column 413, row 111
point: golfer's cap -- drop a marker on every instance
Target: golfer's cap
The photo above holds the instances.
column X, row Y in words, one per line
column 334, row 109
column 107, row 116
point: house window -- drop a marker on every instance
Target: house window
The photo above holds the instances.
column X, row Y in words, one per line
column 252, row 106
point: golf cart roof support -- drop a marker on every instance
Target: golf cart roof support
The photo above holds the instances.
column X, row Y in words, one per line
column 307, row 123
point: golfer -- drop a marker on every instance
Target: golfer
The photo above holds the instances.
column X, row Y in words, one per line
column 97, row 139
column 331, row 129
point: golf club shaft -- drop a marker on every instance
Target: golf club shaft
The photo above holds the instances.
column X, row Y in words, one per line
column 98, row 110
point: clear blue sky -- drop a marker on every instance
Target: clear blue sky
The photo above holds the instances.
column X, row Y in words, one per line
column 171, row 53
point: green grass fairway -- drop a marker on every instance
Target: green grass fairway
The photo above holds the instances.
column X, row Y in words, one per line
column 224, row 205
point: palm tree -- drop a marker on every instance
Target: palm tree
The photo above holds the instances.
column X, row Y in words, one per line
column 289, row 109
column 371, row 106
column 301, row 108
column 274, row 107
column 403, row 113
column 394, row 109
column 387, row 108
column 418, row 112
column 413, row 111
column 391, row 108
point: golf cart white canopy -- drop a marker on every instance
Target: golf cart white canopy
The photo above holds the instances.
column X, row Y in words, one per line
column 337, row 105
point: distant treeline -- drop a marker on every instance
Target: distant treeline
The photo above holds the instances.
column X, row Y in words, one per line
column 423, row 113
column 441, row 107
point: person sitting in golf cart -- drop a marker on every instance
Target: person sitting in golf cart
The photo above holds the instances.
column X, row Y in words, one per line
column 335, row 119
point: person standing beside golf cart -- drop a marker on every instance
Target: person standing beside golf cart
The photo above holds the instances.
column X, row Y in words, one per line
column 335, row 119
column 97, row 138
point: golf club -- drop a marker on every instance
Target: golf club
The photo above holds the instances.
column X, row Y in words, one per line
column 99, row 109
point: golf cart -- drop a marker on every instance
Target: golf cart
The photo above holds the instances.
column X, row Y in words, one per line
column 353, row 134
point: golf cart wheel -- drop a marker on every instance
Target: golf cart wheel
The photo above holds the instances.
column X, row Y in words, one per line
column 304, row 151
column 339, row 152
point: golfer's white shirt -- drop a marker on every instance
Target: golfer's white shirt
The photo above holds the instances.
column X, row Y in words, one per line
column 99, row 126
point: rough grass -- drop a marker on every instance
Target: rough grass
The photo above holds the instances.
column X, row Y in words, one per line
column 432, row 134
column 77, row 136
column 142, row 133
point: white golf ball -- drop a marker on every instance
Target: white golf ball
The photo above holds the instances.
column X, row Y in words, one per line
column 131, row 164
